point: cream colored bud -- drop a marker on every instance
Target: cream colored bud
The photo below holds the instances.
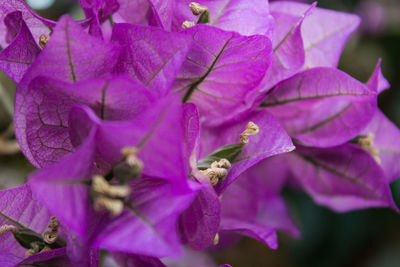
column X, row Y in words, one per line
column 251, row 129
column 367, row 143
column 50, row 237
column 197, row 9
column 187, row 24
column 7, row 228
column 101, row 186
column 216, row 239
column 114, row 206
column 43, row 39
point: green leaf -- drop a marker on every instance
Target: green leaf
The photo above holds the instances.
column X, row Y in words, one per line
column 229, row 152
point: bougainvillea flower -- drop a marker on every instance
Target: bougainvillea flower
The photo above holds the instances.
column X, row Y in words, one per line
column 200, row 223
column 222, row 71
column 71, row 55
column 26, row 219
column 16, row 58
column 322, row 106
column 152, row 209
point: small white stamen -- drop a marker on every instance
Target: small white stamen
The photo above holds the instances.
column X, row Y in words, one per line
column 197, row 9
column 217, row 171
column 43, row 39
column 216, row 239
column 251, row 129
column 187, row 24
column 7, row 228
column 367, row 143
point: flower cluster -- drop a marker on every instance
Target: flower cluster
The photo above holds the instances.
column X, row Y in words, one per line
column 158, row 126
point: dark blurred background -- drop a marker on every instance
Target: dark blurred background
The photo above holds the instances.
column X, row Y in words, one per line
column 368, row 238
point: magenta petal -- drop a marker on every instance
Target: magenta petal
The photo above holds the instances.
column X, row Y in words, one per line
column 387, row 141
column 131, row 260
column 70, row 55
column 49, row 102
column 245, row 17
column 62, row 190
column 324, row 32
column 377, row 82
column 19, row 205
column 158, row 133
column 252, row 206
column 54, row 257
column 342, row 178
column 322, row 106
column 289, row 54
column 151, row 55
column 156, row 206
column 191, row 122
column 271, row 140
column 36, row 24
column 221, row 72
column 134, row 12
column 23, row 50
column 200, row 222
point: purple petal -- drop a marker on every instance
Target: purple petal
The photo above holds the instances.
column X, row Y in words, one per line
column 322, row 106
column 245, row 17
column 252, row 205
column 19, row 55
column 151, row 222
column 49, row 102
column 191, row 121
column 151, row 55
column 54, row 257
column 19, row 205
column 70, row 55
column 221, row 72
column 130, row 260
column 387, row 141
column 36, row 24
column 377, row 82
column 61, row 187
column 158, row 133
column 324, row 32
column 342, row 178
column 289, row 54
column 271, row 140
column 134, row 12
column 199, row 223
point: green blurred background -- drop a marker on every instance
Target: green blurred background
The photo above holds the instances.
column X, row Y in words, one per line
column 369, row 238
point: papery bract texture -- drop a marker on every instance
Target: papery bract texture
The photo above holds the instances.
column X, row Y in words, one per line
column 36, row 24
column 221, row 72
column 324, row 32
column 386, row 139
column 151, row 55
column 343, row 178
column 16, row 58
column 200, row 222
column 49, row 102
column 322, row 106
column 245, row 17
column 271, row 140
column 71, row 55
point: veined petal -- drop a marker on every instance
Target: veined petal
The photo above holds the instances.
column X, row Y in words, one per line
column 342, row 178
column 221, row 72
column 16, row 58
column 322, row 106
